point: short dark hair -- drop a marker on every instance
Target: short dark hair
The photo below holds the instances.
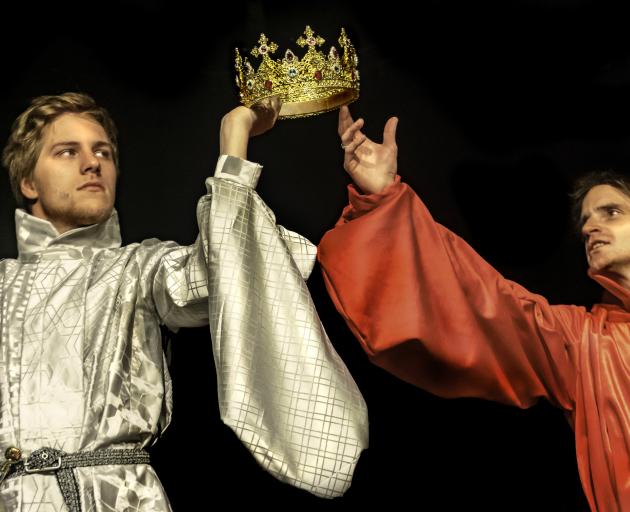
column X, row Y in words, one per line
column 592, row 179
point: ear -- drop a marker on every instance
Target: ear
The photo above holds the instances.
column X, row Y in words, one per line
column 29, row 189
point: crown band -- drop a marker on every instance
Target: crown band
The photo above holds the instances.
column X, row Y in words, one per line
column 318, row 106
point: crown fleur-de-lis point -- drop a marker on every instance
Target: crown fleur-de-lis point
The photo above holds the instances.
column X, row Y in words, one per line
column 264, row 47
column 310, row 39
column 343, row 39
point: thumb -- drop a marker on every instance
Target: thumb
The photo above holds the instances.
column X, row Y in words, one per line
column 389, row 132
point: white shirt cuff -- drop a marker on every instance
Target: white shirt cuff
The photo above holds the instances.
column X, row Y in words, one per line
column 236, row 169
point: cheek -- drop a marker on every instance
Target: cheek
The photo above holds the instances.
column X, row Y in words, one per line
column 55, row 187
column 60, row 192
column 108, row 175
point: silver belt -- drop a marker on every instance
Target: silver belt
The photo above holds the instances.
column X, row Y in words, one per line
column 49, row 460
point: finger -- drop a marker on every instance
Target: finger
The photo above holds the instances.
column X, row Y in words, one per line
column 345, row 120
column 349, row 134
column 354, row 145
column 276, row 103
column 350, row 165
column 264, row 104
column 389, row 132
column 260, row 106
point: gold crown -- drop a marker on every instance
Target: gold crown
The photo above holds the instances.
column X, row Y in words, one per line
column 307, row 87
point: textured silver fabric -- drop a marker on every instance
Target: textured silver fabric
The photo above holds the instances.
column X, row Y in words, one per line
column 82, row 367
column 81, row 363
column 282, row 387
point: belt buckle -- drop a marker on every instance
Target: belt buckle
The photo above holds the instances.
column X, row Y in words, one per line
column 43, row 460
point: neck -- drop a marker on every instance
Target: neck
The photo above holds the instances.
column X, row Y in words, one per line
column 620, row 276
column 623, row 280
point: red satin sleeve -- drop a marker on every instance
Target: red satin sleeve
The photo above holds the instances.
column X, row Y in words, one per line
column 427, row 308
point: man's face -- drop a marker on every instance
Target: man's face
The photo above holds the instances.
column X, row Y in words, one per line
column 74, row 180
column 606, row 229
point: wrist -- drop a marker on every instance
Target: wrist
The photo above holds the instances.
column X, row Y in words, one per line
column 374, row 186
column 239, row 119
column 235, row 132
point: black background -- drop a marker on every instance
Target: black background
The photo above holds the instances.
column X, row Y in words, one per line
column 501, row 106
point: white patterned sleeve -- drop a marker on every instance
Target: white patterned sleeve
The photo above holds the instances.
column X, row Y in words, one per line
column 282, row 387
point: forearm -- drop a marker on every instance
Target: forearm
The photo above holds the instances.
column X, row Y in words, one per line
column 241, row 123
column 247, row 173
column 234, row 136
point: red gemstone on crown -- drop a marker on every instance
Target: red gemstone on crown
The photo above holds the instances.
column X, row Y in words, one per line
column 268, row 85
column 318, row 75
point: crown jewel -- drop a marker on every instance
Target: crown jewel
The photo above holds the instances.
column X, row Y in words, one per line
column 314, row 84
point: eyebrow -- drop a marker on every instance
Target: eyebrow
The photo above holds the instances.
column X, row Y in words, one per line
column 71, row 143
column 601, row 208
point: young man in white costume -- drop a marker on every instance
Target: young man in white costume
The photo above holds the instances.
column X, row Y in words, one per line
column 84, row 388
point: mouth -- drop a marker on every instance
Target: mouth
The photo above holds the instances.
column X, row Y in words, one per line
column 597, row 244
column 92, row 187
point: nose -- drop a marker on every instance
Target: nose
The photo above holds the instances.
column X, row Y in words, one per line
column 90, row 163
column 590, row 227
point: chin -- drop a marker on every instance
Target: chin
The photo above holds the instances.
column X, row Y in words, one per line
column 605, row 267
column 93, row 215
column 600, row 262
column 597, row 267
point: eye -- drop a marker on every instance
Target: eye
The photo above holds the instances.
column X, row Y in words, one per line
column 102, row 153
column 67, row 152
column 613, row 212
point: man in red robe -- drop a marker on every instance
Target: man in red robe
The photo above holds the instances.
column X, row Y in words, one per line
column 427, row 308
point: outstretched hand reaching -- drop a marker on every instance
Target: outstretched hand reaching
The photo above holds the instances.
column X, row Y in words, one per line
column 371, row 166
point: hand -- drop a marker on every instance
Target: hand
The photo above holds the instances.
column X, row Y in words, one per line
column 241, row 123
column 265, row 114
column 371, row 166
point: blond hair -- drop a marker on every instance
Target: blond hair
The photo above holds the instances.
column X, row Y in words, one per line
column 24, row 145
